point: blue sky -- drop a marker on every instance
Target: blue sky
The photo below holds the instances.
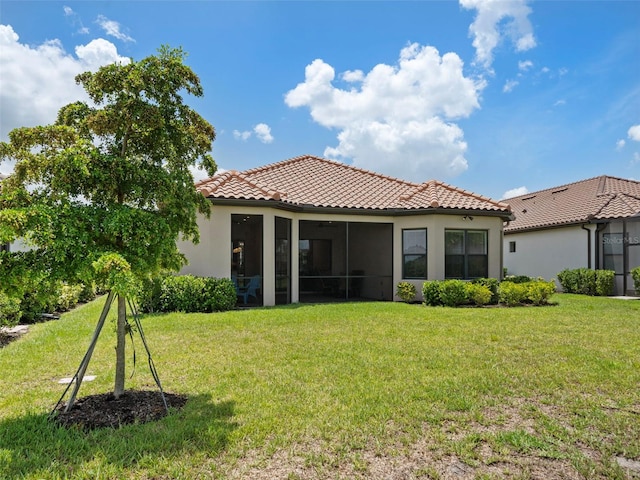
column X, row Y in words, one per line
column 490, row 96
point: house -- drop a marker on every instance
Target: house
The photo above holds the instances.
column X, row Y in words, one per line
column 593, row 223
column 310, row 229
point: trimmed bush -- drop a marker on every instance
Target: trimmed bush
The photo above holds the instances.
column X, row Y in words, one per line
column 186, row 293
column 220, row 294
column 512, row 294
column 604, row 282
column 493, row 284
column 587, row 282
column 431, row 293
column 478, row 294
column 406, row 291
column 539, row 291
column 635, row 274
column 453, row 293
column 182, row 293
column 68, row 296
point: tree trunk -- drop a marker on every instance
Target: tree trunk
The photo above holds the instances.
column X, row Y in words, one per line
column 120, row 345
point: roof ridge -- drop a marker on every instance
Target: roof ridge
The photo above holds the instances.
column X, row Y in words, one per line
column 337, row 163
column 218, row 180
column 425, row 186
column 477, row 196
column 556, row 187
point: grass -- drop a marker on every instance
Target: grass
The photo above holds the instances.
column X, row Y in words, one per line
column 343, row 391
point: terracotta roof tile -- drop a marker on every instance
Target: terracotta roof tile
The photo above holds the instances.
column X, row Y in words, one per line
column 312, row 181
column 596, row 198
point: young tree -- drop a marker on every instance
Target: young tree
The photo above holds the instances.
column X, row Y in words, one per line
column 107, row 188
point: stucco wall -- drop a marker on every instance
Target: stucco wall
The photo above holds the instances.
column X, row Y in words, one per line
column 211, row 257
column 544, row 253
column 436, row 226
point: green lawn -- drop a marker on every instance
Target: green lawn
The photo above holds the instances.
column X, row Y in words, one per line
column 360, row 390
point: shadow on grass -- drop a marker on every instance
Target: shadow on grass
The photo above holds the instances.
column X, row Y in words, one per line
column 33, row 444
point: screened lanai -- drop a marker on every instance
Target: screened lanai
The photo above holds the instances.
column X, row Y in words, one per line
column 345, row 261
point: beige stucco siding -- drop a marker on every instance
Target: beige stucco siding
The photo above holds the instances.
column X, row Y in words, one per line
column 544, row 253
column 436, row 226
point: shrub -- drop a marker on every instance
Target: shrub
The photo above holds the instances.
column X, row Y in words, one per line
column 186, row 293
column 478, row 294
column 219, row 293
column 569, row 280
column 182, row 293
column 517, row 279
column 605, row 282
column 10, row 312
column 635, row 274
column 587, row 282
column 512, row 294
column 453, row 293
column 539, row 291
column 149, row 294
column 431, row 293
column 67, row 296
column 493, row 284
column 88, row 292
column 406, row 291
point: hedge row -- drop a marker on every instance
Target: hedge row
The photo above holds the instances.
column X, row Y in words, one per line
column 453, row 293
column 48, row 298
column 187, row 293
column 587, row 282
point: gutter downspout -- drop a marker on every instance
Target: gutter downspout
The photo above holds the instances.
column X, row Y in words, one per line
column 599, row 228
column 588, row 244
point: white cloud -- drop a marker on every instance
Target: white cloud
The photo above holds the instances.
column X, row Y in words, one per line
column 489, row 26
column 510, row 85
column 620, row 144
column 238, row 135
column 515, row 192
column 525, row 65
column 398, row 120
column 560, row 103
column 263, row 132
column 634, row 133
column 75, row 19
column 38, row 80
column 113, row 28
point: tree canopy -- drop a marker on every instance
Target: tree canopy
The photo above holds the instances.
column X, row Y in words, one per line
column 107, row 189
column 111, row 177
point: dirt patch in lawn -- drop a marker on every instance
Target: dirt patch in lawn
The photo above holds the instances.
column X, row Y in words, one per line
column 105, row 411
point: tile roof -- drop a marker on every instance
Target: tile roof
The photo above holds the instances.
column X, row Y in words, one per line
column 596, row 198
column 309, row 181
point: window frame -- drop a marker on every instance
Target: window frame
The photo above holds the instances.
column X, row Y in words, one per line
column 406, row 256
column 466, row 255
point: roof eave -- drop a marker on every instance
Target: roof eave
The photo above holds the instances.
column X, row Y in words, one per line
column 360, row 211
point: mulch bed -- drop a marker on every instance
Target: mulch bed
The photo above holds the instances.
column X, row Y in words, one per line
column 103, row 410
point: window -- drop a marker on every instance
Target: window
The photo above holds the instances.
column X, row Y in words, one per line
column 465, row 254
column 414, row 253
column 512, row 247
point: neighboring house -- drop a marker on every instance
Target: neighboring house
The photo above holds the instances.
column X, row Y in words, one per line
column 593, row 223
column 310, row 229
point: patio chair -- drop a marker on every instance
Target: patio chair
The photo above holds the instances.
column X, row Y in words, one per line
column 251, row 290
